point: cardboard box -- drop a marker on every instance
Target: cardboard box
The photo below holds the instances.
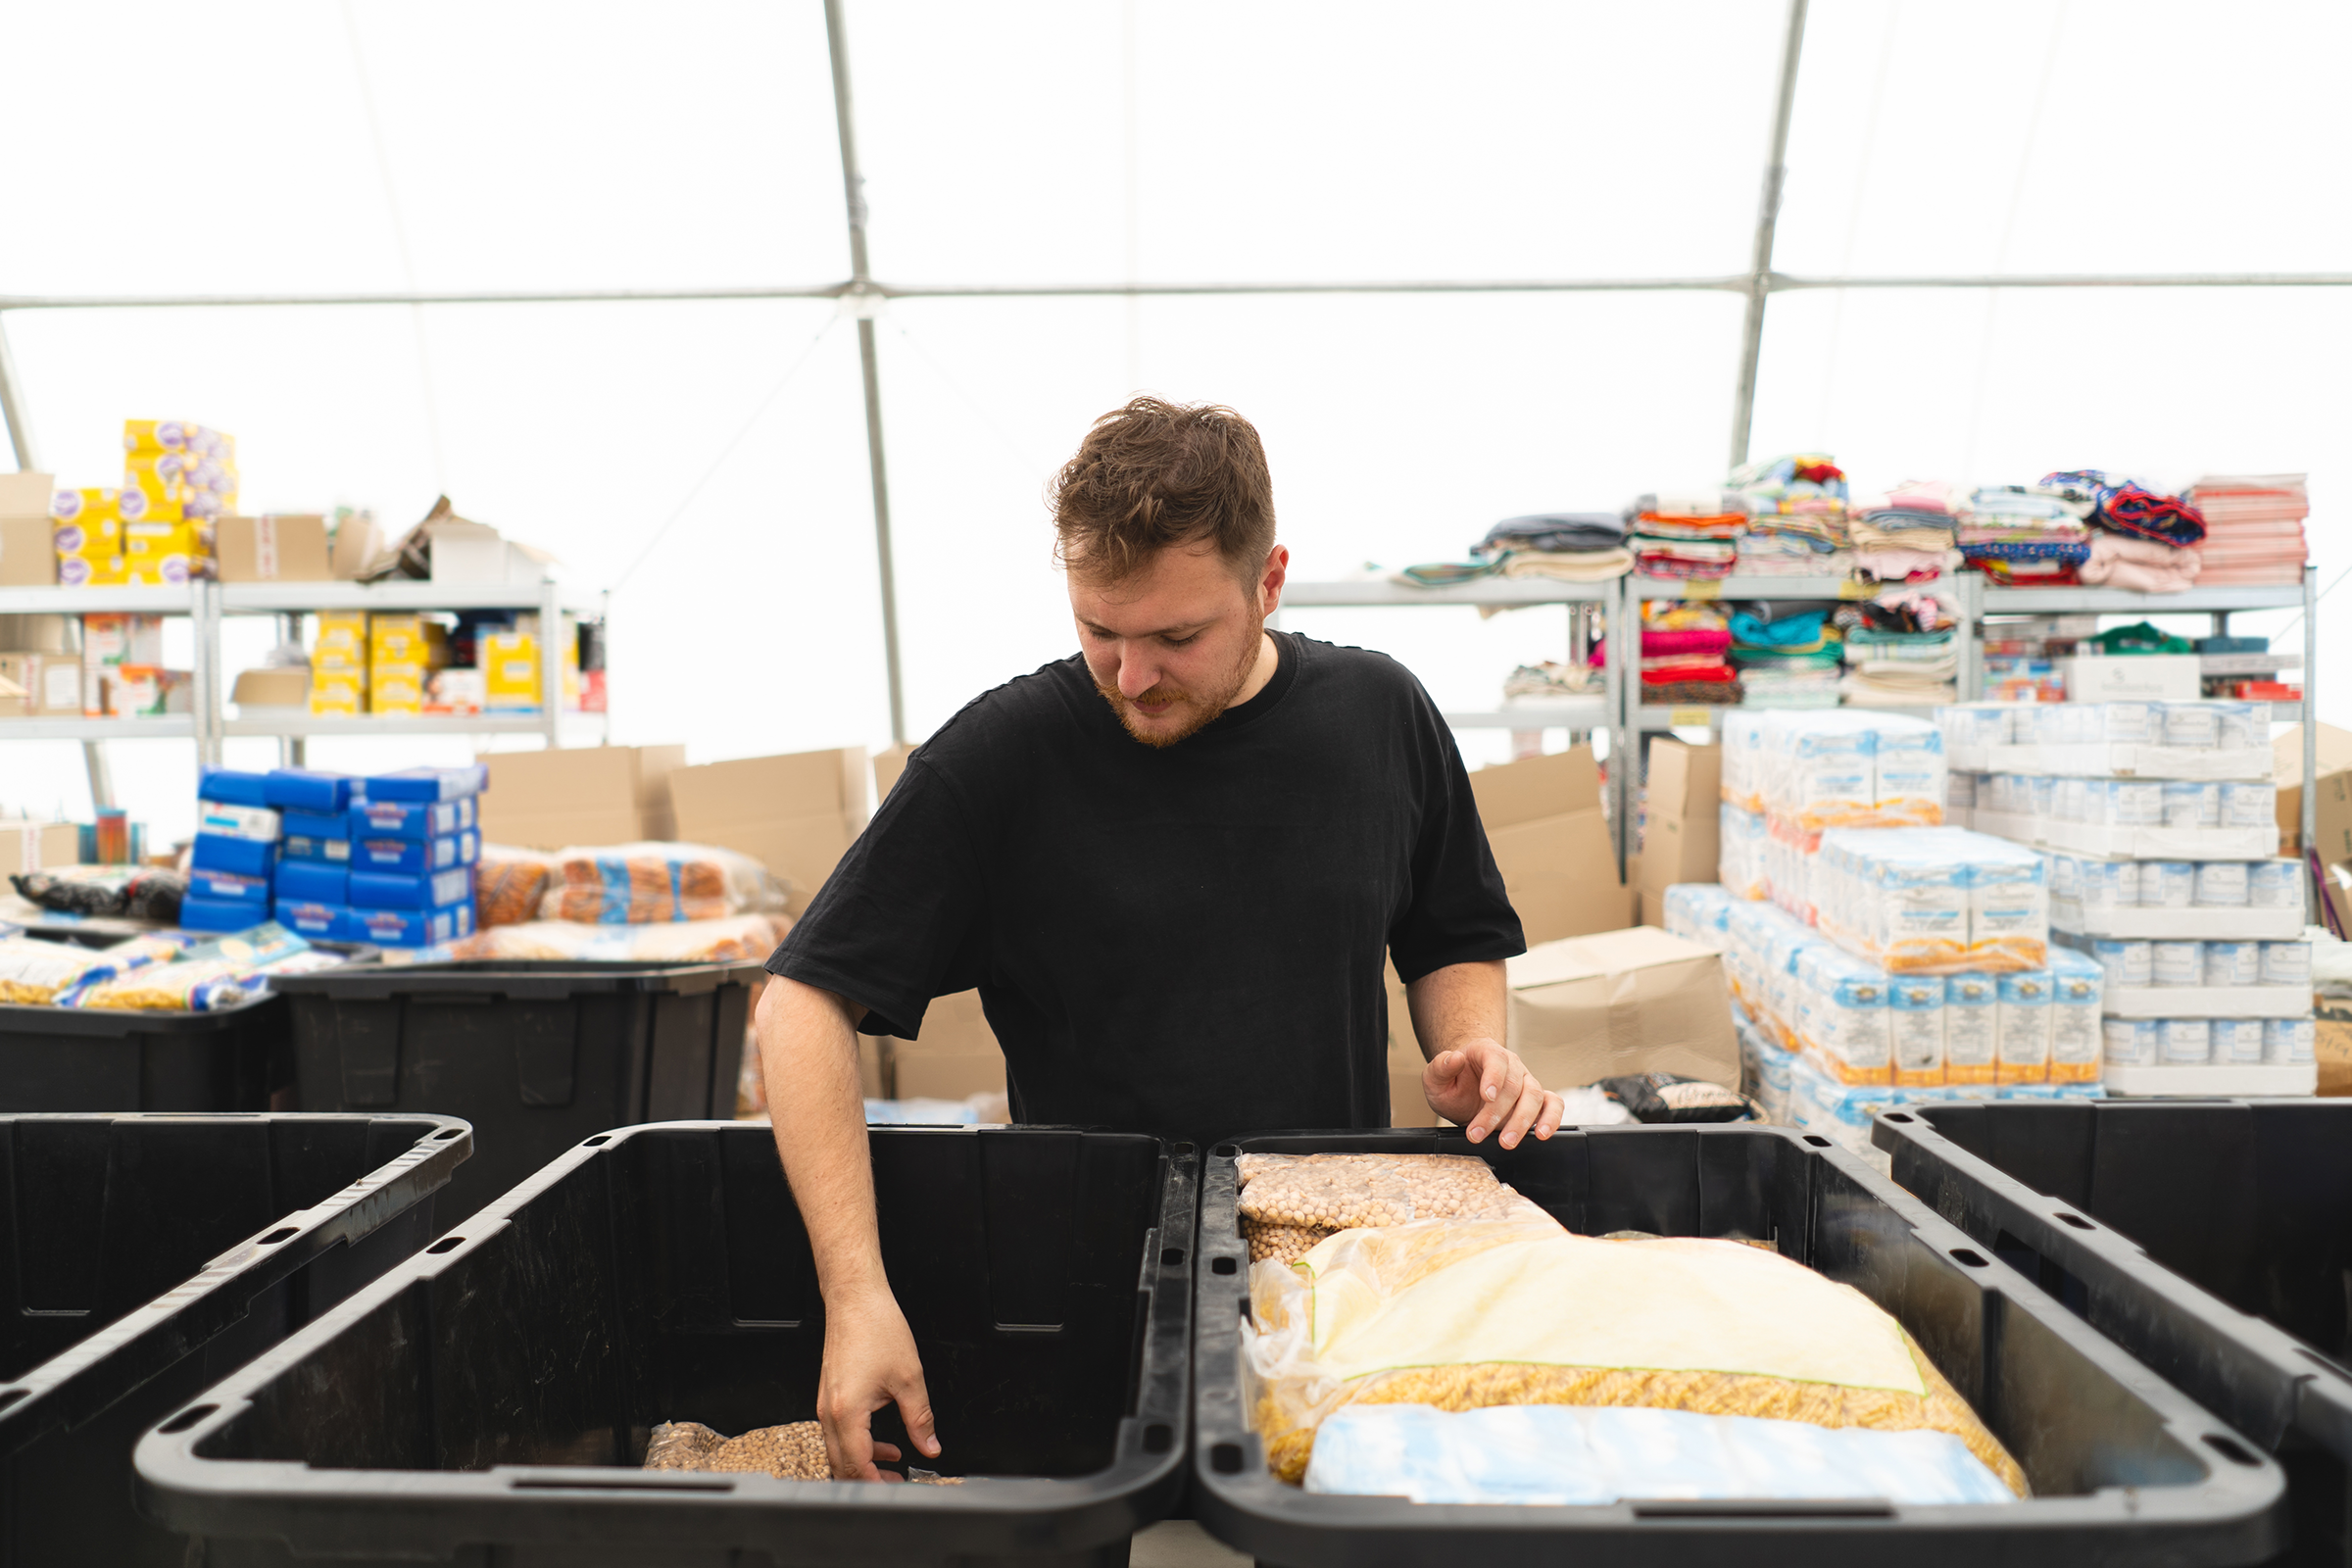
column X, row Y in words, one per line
column 510, row 666
column 144, row 691
column 341, row 642
column 1625, row 1002
column 27, row 559
column 38, row 846
column 889, row 763
column 957, row 1057
column 396, row 691
column 52, row 683
column 2332, row 1044
column 273, row 548
column 338, row 693
column 2335, row 756
column 2134, row 678
column 358, row 542
column 1682, row 831
column 36, row 634
column 109, row 641
column 1551, row 843
column 272, row 688
column 554, row 800
column 27, row 495
column 795, row 814
column 1409, row 1106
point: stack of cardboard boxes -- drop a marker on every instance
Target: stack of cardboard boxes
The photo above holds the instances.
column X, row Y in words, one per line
column 1552, row 842
column 1682, row 822
column 339, row 665
column 403, row 651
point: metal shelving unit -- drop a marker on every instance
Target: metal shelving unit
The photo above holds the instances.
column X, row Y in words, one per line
column 208, row 724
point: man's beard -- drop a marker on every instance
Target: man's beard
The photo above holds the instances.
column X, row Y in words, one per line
column 1197, row 712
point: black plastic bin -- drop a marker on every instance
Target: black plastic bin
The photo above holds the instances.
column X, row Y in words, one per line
column 536, row 1055
column 121, row 1060
column 2211, row 1239
column 490, row 1402
column 2123, row 1469
column 145, row 1257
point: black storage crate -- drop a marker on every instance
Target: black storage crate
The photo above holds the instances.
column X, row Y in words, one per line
column 536, row 1055
column 2123, row 1469
column 490, row 1402
column 144, row 1256
column 2211, row 1239
column 121, row 1060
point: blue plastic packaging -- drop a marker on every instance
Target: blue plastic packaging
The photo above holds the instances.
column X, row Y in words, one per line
column 234, row 788
column 215, row 851
column 407, row 928
column 335, row 851
column 316, row 824
column 427, row 783
column 314, row 881
column 232, row 888
column 412, row 856
column 409, row 819
column 220, row 914
column 299, row 789
column 376, row 890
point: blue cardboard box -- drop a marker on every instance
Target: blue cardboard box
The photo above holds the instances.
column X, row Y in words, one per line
column 408, row 928
column 428, row 783
column 232, row 888
column 332, row 852
column 299, row 789
column 321, row 922
column 220, row 914
column 217, row 852
column 312, row 881
column 433, row 890
column 411, row 820
column 315, row 824
column 412, row 856
column 233, row 788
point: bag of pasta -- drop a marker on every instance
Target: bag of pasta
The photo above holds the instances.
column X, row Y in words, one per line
column 639, row 884
column 1466, row 1315
column 35, row 971
column 1289, row 1202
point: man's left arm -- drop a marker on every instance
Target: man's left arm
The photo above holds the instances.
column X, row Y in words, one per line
column 1458, row 1014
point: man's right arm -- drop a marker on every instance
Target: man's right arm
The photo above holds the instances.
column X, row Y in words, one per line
column 808, row 1057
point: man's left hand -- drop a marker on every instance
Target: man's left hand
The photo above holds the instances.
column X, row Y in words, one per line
column 1484, row 1087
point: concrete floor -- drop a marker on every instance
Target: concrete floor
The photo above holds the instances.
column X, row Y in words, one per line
column 1181, row 1544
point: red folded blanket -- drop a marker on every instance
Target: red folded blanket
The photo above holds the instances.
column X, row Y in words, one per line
column 1662, row 644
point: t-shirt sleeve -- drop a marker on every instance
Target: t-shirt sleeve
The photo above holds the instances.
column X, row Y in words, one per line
column 898, row 921
column 1458, row 911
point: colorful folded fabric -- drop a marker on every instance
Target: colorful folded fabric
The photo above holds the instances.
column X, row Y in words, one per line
column 2129, row 507
column 1687, row 504
column 2118, row 561
column 1589, row 566
column 1660, row 643
column 1554, row 531
column 2253, row 527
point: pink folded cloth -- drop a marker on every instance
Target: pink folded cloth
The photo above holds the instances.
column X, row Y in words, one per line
column 1896, row 563
column 1923, row 495
column 1689, row 640
column 2119, row 561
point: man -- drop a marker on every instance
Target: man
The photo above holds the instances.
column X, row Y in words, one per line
column 1172, row 864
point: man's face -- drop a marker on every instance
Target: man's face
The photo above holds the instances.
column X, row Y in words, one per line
column 1171, row 645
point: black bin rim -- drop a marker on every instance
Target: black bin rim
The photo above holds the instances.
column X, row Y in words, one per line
column 116, row 1023
column 533, row 978
column 2236, row 1513
column 98, row 1369
column 434, row 1512
column 2263, row 1379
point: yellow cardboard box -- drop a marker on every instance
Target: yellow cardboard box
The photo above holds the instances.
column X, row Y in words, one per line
column 92, row 571
column 338, row 693
column 159, row 435
column 155, row 478
column 396, row 690
column 510, row 662
column 342, row 642
column 146, row 540
column 92, row 537
column 397, row 640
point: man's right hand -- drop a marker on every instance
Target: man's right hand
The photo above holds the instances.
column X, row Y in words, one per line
column 870, row 1364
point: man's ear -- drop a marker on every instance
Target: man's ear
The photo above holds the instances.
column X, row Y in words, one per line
column 1270, row 581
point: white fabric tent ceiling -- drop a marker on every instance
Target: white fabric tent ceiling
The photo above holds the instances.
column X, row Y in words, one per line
column 429, row 147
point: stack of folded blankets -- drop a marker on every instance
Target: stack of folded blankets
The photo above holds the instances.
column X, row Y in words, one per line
column 1684, row 652
column 1796, row 516
column 2254, row 528
column 2024, row 536
column 1788, row 660
column 1906, row 535
column 2140, row 537
column 1899, row 652
column 1568, row 546
column 1687, row 537
column 1553, row 678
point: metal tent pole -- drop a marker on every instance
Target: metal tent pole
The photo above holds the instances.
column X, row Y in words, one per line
column 864, row 299
column 1768, row 217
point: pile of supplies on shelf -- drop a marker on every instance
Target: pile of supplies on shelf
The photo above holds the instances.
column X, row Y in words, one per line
column 1690, row 536
column 2132, row 534
column 1796, row 507
column 385, row 860
column 1787, row 655
column 156, row 529
column 2253, row 528
column 2157, row 824
column 1684, row 653
column 1908, row 534
column 1561, row 546
column 1900, row 651
column 1417, row 1329
column 2016, row 533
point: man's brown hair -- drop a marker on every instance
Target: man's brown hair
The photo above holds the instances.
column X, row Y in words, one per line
column 1154, row 475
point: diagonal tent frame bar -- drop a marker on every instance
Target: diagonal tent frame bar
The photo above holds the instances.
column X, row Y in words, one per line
column 1768, row 222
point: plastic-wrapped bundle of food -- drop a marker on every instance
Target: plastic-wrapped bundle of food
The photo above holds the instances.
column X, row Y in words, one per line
column 131, row 892
column 793, row 1451
column 638, row 884
column 1289, row 1202
column 197, row 985
column 507, row 885
column 1463, row 1316
column 35, row 971
column 1933, row 901
column 1696, row 911
column 748, row 936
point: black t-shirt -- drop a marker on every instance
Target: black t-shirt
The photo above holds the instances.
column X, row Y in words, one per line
column 1183, row 941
